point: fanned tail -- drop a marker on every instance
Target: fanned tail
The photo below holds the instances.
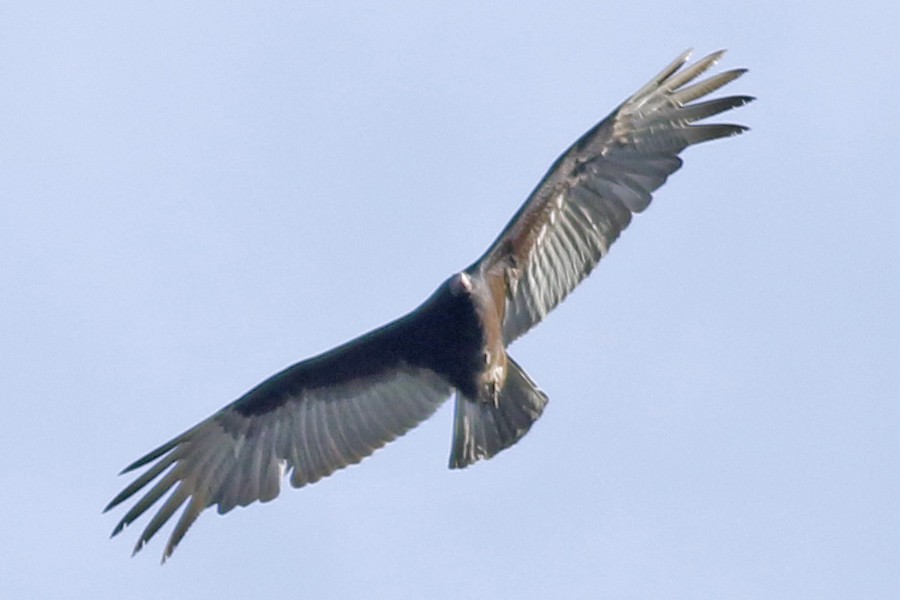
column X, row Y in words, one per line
column 482, row 429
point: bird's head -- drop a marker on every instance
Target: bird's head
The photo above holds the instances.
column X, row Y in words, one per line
column 460, row 284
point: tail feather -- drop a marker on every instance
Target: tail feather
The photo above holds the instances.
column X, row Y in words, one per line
column 482, row 429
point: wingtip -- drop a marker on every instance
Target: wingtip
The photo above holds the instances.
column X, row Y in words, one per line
column 742, row 100
column 736, row 73
column 137, row 464
column 117, row 529
column 167, row 553
column 708, row 61
column 679, row 62
column 120, row 497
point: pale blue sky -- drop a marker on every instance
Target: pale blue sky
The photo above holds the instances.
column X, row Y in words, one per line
column 195, row 195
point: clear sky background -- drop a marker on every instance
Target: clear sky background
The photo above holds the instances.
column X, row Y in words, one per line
column 195, row 195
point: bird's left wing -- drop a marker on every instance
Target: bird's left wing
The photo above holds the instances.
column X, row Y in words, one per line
column 309, row 420
column 588, row 196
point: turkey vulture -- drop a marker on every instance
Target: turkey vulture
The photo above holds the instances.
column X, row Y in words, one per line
column 336, row 408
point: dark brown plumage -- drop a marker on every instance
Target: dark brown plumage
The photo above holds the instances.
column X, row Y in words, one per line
column 335, row 409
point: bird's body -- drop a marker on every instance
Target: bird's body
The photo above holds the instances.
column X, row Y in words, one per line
column 335, row 409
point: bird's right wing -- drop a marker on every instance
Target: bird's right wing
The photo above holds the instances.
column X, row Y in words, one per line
column 307, row 421
column 588, row 196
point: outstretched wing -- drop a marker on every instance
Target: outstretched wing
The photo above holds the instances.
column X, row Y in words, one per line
column 309, row 420
column 589, row 194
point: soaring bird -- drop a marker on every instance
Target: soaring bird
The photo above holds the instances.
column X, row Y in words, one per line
column 333, row 410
